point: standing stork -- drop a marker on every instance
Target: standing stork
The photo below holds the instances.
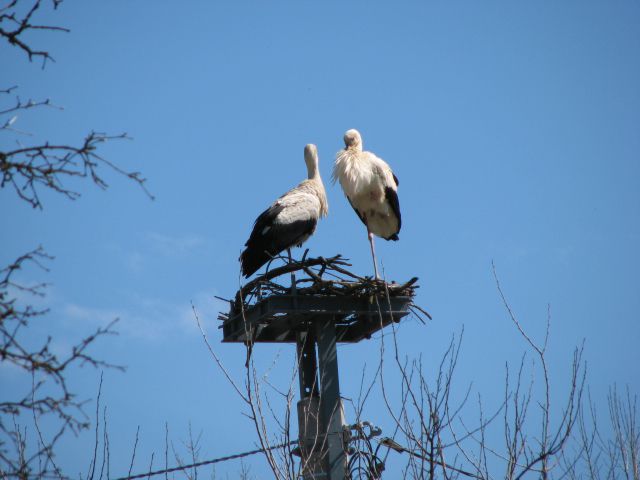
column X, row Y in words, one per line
column 289, row 221
column 371, row 188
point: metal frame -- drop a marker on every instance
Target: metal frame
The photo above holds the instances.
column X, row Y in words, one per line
column 277, row 318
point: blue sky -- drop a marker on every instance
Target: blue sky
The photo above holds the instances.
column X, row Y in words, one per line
column 512, row 126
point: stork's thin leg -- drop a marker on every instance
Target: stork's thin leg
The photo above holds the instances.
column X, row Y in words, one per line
column 293, row 275
column 373, row 254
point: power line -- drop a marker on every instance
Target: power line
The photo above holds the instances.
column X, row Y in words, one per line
column 207, row 462
column 392, row 444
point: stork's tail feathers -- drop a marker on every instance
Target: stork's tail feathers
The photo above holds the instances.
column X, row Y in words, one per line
column 393, row 237
column 252, row 259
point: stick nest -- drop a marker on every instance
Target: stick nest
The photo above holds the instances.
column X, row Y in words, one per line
column 320, row 276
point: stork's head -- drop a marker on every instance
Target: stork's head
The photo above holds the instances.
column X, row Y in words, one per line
column 311, row 159
column 353, row 140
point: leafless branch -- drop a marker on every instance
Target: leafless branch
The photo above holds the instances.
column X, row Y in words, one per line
column 49, row 395
column 17, row 21
column 47, row 166
column 546, row 451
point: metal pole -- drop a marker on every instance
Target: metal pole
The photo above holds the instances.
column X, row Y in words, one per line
column 306, row 349
column 330, row 405
column 309, row 429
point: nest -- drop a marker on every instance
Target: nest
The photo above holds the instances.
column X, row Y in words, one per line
column 319, row 277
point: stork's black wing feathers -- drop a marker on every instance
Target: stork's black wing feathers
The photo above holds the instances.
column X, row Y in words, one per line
column 265, row 219
column 269, row 238
column 392, row 197
column 395, row 179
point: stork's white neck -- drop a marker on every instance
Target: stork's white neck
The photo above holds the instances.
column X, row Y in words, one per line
column 311, row 159
column 312, row 170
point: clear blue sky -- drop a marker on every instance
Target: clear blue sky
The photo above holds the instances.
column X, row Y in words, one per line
column 512, row 126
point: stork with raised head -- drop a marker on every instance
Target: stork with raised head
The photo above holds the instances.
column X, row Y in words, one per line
column 289, row 221
column 371, row 188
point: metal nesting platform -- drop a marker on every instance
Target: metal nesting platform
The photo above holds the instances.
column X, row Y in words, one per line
column 278, row 318
column 323, row 304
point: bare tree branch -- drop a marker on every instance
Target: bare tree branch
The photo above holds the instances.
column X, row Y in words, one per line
column 16, row 23
column 49, row 395
column 29, row 169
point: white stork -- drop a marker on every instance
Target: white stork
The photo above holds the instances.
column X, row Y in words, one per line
column 289, row 221
column 371, row 188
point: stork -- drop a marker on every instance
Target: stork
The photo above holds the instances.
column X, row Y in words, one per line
column 289, row 221
column 371, row 188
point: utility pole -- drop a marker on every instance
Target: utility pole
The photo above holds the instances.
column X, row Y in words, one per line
column 320, row 415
